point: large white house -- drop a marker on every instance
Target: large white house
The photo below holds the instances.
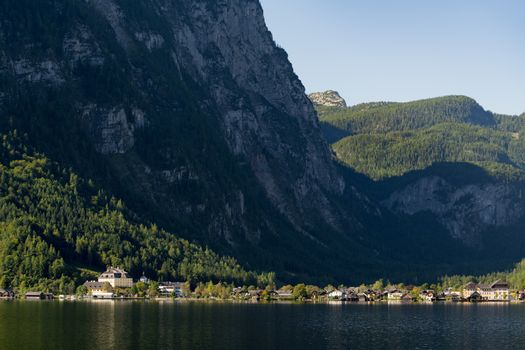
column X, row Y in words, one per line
column 97, row 290
column 497, row 291
column 117, row 277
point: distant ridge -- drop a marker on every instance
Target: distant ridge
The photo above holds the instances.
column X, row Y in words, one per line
column 328, row 98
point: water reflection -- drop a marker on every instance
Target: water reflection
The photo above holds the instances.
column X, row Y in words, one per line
column 167, row 325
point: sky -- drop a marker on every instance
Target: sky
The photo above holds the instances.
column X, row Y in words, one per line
column 403, row 50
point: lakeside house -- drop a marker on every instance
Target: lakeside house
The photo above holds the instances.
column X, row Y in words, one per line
column 38, row 296
column 98, row 290
column 428, row 295
column 117, row 277
column 395, row 295
column 167, row 289
column 337, row 294
column 6, row 294
column 497, row 291
column 284, row 294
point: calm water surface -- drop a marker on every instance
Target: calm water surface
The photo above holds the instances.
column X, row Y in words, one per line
column 171, row 325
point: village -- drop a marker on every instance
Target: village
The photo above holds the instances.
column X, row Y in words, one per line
column 115, row 283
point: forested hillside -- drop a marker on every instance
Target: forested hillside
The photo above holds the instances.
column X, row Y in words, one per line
column 56, row 228
column 190, row 114
column 208, row 136
column 443, row 159
column 397, row 153
column 515, row 277
column 391, row 139
column 382, row 117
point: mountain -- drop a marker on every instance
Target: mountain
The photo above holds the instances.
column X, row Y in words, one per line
column 56, row 227
column 445, row 156
column 381, row 117
column 327, row 99
column 190, row 114
column 190, row 122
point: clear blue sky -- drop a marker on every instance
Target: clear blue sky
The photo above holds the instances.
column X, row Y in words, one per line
column 401, row 50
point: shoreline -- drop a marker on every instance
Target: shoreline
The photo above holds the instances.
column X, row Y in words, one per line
column 273, row 302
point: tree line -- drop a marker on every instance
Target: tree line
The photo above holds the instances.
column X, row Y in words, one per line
column 57, row 229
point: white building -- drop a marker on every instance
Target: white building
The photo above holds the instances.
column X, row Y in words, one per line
column 117, row 277
column 497, row 291
column 395, row 295
column 172, row 289
column 97, row 290
column 336, row 294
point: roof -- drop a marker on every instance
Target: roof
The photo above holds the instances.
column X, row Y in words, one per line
column 94, row 284
column 500, row 283
column 172, row 284
column 470, row 285
column 114, row 272
column 34, row 294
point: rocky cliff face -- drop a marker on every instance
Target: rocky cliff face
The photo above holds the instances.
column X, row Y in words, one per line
column 186, row 109
column 189, row 112
column 466, row 211
column 328, row 98
column 253, row 87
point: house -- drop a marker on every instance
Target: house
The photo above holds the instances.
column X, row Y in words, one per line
column 469, row 289
column 370, row 295
column 395, row 295
column 455, row 297
column 38, row 296
column 337, row 294
column 284, row 294
column 497, row 291
column 427, row 295
column 273, row 294
column 407, row 297
column 475, row 297
column 255, row 294
column 98, row 290
column 6, row 294
column 167, row 289
column 239, row 292
column 117, row 277
column 352, row 296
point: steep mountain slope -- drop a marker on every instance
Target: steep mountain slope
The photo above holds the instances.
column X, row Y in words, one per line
column 54, row 225
column 189, row 112
column 445, row 156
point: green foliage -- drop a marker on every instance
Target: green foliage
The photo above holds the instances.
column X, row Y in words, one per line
column 153, row 289
column 515, row 278
column 53, row 222
column 510, row 123
column 300, row 292
column 211, row 290
column 386, row 117
column 385, row 139
column 141, row 289
column 396, row 153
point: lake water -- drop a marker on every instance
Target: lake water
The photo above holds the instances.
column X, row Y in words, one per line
column 171, row 325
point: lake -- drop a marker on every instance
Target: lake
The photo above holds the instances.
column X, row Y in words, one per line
column 185, row 325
